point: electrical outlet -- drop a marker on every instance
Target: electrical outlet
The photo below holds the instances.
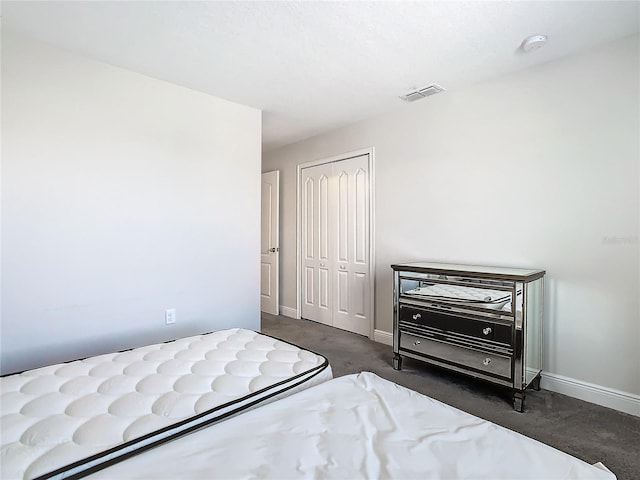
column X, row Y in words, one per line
column 170, row 316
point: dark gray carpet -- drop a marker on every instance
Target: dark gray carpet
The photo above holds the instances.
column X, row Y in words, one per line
column 584, row 430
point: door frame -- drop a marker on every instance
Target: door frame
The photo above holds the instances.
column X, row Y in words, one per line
column 336, row 158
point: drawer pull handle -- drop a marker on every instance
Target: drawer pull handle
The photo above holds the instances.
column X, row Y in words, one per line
column 486, row 331
column 417, row 342
column 486, row 361
column 417, row 316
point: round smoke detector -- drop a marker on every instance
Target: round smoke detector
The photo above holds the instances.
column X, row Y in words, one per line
column 533, row 42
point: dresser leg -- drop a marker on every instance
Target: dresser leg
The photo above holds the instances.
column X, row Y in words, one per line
column 397, row 361
column 518, row 401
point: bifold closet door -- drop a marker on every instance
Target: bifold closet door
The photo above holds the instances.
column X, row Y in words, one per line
column 317, row 207
column 335, row 244
column 351, row 252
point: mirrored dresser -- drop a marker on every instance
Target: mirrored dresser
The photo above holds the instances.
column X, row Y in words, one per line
column 480, row 321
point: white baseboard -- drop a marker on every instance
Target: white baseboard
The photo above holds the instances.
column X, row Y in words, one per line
column 289, row 312
column 381, row 336
column 607, row 397
column 604, row 396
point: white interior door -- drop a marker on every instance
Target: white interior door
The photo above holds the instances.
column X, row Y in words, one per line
column 335, row 244
column 269, row 249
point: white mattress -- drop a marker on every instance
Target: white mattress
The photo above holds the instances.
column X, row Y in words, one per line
column 489, row 298
column 67, row 418
column 355, row 427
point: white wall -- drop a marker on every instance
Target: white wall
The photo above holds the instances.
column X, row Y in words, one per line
column 122, row 196
column 535, row 169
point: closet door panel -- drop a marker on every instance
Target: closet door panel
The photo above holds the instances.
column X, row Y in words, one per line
column 342, row 232
column 323, row 220
column 308, row 250
column 316, row 246
column 324, row 288
column 352, row 239
column 342, row 305
column 361, row 220
column 360, row 295
column 309, row 297
column 308, row 219
column 324, row 247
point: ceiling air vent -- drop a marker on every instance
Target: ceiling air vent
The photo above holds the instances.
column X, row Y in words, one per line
column 422, row 93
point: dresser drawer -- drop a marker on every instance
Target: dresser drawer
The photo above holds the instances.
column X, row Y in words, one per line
column 477, row 360
column 481, row 329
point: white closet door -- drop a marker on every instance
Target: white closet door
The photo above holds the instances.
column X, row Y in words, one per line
column 351, row 233
column 335, row 244
column 317, row 206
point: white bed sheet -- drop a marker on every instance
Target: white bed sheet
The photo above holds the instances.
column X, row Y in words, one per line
column 357, row 426
column 63, row 419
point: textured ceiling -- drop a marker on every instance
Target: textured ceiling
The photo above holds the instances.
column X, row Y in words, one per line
column 316, row 66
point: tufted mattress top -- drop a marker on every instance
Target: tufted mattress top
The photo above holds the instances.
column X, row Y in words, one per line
column 462, row 294
column 75, row 417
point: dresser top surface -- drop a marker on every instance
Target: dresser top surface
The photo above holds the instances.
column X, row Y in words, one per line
column 477, row 270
